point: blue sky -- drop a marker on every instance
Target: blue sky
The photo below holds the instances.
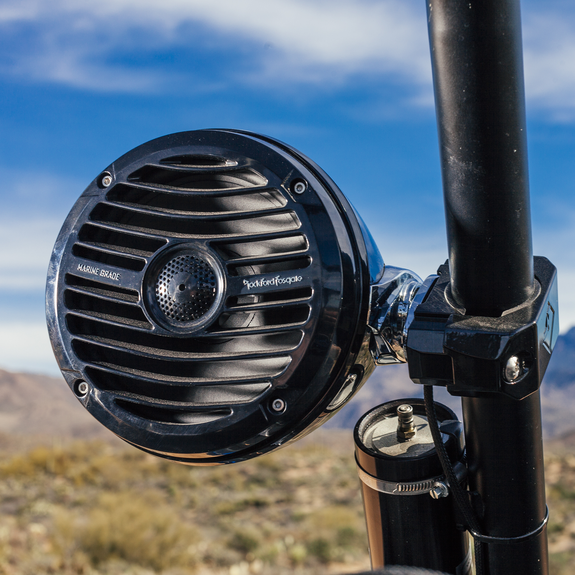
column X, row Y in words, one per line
column 346, row 82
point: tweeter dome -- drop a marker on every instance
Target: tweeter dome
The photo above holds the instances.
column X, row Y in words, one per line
column 208, row 295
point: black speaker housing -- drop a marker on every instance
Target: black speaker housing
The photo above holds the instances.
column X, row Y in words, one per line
column 208, row 295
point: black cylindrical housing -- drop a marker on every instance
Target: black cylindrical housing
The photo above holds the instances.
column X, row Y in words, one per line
column 478, row 82
column 479, row 95
column 405, row 524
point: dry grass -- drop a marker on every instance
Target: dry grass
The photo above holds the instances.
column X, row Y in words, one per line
column 93, row 508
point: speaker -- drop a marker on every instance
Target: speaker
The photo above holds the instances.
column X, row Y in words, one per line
column 208, row 296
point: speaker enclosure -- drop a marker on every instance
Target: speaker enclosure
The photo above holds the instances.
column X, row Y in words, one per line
column 208, row 296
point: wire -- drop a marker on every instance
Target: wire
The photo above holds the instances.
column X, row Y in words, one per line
column 459, row 493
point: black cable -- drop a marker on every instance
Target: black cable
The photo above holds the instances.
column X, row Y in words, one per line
column 460, row 494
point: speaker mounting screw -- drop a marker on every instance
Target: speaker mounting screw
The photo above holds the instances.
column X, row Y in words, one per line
column 106, row 180
column 81, row 388
column 299, row 186
column 278, row 405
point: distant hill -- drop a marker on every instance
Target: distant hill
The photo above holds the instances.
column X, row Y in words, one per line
column 557, row 392
column 36, row 406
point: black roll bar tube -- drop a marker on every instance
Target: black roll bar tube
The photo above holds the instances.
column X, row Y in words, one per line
column 478, row 83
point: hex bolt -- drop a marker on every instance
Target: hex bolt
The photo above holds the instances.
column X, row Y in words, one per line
column 405, row 424
column 514, row 369
column 82, row 389
column 106, row 180
column 299, row 187
column 439, row 490
column 278, row 405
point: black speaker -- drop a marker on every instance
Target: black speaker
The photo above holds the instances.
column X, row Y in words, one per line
column 208, row 296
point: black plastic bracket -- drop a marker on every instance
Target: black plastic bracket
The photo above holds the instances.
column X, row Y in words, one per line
column 474, row 355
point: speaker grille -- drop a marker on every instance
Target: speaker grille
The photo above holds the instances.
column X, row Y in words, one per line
column 198, row 288
column 234, row 360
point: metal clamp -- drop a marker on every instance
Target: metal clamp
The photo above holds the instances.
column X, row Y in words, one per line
column 437, row 487
column 475, row 355
column 512, row 540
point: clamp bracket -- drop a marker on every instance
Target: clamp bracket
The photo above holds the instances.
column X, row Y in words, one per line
column 475, row 355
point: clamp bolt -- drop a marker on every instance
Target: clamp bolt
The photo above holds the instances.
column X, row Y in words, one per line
column 439, row 490
column 514, row 369
column 106, row 180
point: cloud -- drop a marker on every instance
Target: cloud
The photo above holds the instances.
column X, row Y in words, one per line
column 117, row 45
column 316, row 43
column 549, row 54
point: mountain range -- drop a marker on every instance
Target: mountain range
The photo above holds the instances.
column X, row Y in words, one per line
column 34, row 406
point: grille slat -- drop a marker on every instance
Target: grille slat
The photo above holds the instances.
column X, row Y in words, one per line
column 181, row 177
column 167, row 379
column 109, row 322
column 263, row 306
column 173, row 416
column 134, row 210
column 105, row 306
column 196, row 396
column 151, row 352
column 208, row 345
column 113, row 257
column 144, row 220
column 240, row 395
column 195, row 369
column 264, row 259
column 113, row 320
column 208, row 162
column 113, row 292
column 261, row 322
column 165, row 200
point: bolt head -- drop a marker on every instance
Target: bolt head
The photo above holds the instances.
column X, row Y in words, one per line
column 300, row 187
column 82, row 389
column 278, row 405
column 106, row 180
column 439, row 490
column 513, row 369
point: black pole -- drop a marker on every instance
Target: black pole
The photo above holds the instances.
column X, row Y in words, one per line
column 478, row 82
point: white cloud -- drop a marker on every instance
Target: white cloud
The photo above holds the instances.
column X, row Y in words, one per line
column 321, row 44
column 549, row 54
column 310, row 42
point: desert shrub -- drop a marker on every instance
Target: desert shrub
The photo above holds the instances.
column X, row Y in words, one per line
column 245, row 540
column 321, row 549
column 138, row 529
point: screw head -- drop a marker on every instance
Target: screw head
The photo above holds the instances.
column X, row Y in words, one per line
column 82, row 389
column 514, row 369
column 278, row 405
column 299, row 187
column 106, row 180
